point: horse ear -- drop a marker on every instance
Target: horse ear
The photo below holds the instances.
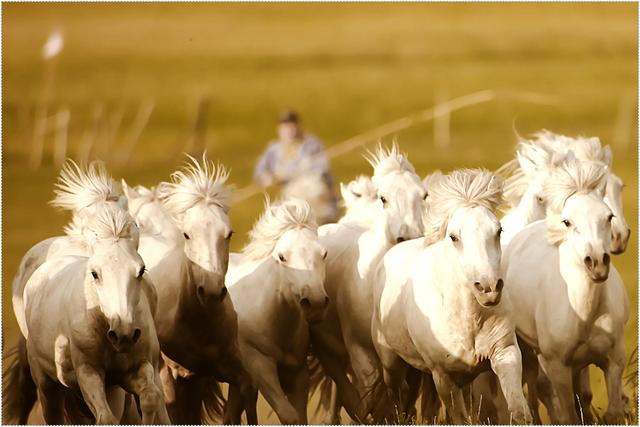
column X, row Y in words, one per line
column 607, row 155
column 431, row 179
column 129, row 192
column 528, row 167
column 344, row 191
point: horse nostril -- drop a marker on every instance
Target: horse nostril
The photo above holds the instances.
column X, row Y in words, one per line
column 223, row 292
column 305, row 303
column 200, row 291
column 113, row 337
column 326, row 301
column 606, row 259
column 136, row 335
column 499, row 285
column 588, row 262
column 478, row 286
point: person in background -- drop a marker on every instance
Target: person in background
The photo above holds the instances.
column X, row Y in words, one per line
column 297, row 163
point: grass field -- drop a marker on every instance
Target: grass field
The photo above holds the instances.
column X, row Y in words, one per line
column 346, row 67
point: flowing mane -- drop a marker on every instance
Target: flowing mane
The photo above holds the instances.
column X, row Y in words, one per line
column 584, row 148
column 362, row 186
column 573, row 177
column 195, row 183
column 276, row 220
column 385, row 161
column 109, row 222
column 78, row 188
column 460, row 188
column 538, row 154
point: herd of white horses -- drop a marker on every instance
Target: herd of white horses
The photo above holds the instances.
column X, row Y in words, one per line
column 420, row 296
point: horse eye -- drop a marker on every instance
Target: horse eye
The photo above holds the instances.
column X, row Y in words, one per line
column 566, row 222
column 282, row 258
column 610, row 217
column 186, row 236
column 356, row 194
column 500, row 231
column 141, row 272
column 94, row 275
column 426, row 195
column 325, row 255
column 383, row 200
column 229, row 235
column 453, row 238
column 540, row 200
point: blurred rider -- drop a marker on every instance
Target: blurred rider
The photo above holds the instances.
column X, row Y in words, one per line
column 297, row 162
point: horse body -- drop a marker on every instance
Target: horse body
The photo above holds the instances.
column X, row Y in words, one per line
column 185, row 240
column 438, row 307
column 91, row 327
column 573, row 312
column 277, row 287
column 355, row 248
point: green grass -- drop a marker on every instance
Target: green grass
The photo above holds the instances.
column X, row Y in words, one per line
column 346, row 67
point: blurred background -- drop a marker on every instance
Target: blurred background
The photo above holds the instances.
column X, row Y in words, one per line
column 136, row 85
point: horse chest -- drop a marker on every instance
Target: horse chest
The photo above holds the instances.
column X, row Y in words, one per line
column 595, row 342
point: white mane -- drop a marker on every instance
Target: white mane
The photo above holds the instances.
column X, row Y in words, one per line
column 196, row 183
column 460, row 188
column 110, row 222
column 363, row 187
column 573, row 177
column 385, row 161
column 78, row 187
column 588, row 149
column 274, row 222
column 539, row 153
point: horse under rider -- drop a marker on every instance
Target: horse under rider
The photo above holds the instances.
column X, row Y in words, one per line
column 296, row 156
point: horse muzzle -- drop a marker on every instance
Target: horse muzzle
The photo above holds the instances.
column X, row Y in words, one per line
column 315, row 311
column 598, row 270
column 123, row 337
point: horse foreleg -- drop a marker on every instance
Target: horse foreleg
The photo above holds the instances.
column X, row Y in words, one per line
column 265, row 372
column 584, row 396
column 298, row 392
column 430, row 402
column 234, row 407
column 613, row 376
column 506, row 362
column 145, row 383
column 560, row 377
column 92, row 386
column 451, row 396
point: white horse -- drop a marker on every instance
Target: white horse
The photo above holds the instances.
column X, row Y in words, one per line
column 524, row 188
column 342, row 342
column 591, row 150
column 91, row 327
column 536, row 159
column 185, row 243
column 572, row 312
column 438, row 305
column 277, row 288
column 360, row 200
column 83, row 191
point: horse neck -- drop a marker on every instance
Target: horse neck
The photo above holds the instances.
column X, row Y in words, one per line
column 526, row 209
column 583, row 293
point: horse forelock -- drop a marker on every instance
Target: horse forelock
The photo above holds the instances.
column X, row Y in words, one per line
column 459, row 189
column 388, row 160
column 277, row 219
column 198, row 182
column 78, row 187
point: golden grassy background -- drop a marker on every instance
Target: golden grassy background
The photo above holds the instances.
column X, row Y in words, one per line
column 346, row 67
